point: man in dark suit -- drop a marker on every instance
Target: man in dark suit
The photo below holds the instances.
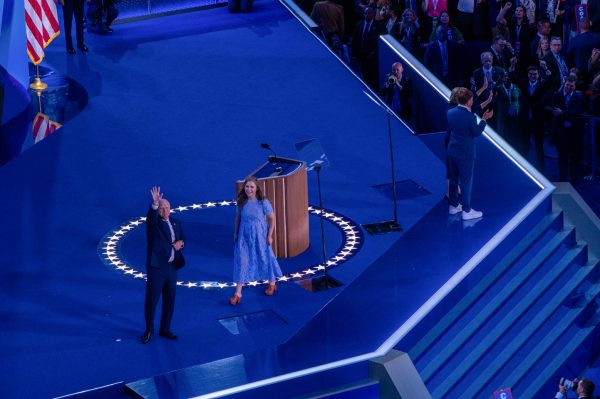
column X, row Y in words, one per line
column 581, row 46
column 464, row 128
column 440, row 57
column 533, row 94
column 493, row 74
column 163, row 259
column 502, row 53
column 568, row 129
column 556, row 63
column 364, row 46
column 73, row 9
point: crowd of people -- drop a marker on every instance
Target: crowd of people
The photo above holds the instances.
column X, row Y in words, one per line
column 538, row 50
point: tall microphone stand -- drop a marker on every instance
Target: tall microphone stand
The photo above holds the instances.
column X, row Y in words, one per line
column 311, row 149
column 325, row 282
column 387, row 226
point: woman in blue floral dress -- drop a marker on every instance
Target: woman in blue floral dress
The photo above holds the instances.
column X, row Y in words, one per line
column 253, row 257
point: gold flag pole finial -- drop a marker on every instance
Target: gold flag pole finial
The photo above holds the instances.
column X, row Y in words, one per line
column 38, row 85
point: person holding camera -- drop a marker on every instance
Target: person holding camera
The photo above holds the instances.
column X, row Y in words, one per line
column 396, row 91
column 584, row 388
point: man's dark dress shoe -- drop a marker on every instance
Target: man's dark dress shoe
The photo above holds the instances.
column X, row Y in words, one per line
column 167, row 334
column 146, row 337
column 82, row 47
column 70, row 50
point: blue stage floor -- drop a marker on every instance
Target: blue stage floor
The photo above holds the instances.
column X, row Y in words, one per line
column 184, row 102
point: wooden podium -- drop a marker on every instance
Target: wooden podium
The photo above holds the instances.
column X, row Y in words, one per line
column 283, row 181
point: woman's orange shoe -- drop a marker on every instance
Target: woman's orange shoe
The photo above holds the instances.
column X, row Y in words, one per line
column 235, row 299
column 271, row 289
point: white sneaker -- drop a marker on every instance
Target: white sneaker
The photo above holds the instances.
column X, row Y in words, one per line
column 453, row 210
column 472, row 214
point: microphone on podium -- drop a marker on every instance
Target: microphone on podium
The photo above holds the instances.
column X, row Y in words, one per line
column 266, row 146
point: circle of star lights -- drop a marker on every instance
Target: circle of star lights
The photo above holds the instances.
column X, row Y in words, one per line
column 352, row 239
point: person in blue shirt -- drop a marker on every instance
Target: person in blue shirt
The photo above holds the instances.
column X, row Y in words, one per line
column 464, row 128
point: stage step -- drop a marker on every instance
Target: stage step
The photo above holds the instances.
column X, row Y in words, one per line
column 499, row 352
column 556, row 348
column 541, row 297
column 495, row 295
column 543, row 230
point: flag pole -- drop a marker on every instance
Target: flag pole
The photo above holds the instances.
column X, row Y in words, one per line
column 38, row 85
column 39, row 96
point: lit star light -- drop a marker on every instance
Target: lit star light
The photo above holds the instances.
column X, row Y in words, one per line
column 352, row 238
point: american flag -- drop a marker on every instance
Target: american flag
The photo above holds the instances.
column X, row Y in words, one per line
column 43, row 127
column 41, row 24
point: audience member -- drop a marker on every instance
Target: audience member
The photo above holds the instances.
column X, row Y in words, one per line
column 396, row 91
column 520, row 34
column 508, row 107
column 542, row 49
column 382, row 8
column 487, row 71
column 392, row 24
column 543, row 30
column 580, row 85
column 553, row 10
column 581, row 46
column 465, row 18
column 432, row 10
column 501, row 29
column 409, row 32
column 502, row 53
column 414, row 5
column 330, row 18
column 530, row 10
column 568, row 130
column 584, row 389
column 593, row 7
column 556, row 63
column 471, row 19
column 454, row 35
column 533, row 96
column 439, row 57
column 364, row 46
column 593, row 66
